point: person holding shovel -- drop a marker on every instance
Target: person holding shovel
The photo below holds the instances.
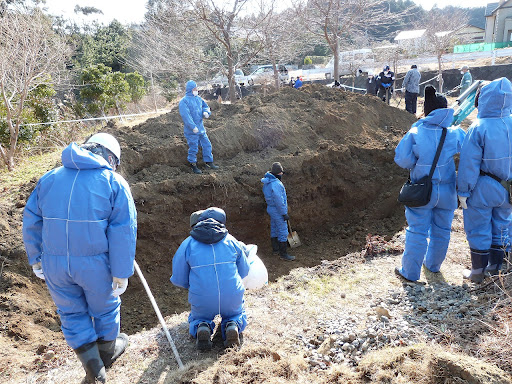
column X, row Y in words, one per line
column 79, row 230
column 277, row 208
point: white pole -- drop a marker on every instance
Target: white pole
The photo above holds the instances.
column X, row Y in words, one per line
column 158, row 314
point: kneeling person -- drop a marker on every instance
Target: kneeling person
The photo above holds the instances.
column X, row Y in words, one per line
column 211, row 264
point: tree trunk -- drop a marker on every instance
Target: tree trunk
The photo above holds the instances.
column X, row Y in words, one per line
column 153, row 90
column 276, row 74
column 440, row 74
column 231, row 79
column 336, row 71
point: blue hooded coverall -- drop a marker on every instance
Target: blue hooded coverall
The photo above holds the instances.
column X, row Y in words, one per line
column 80, row 223
column 191, row 110
column 416, row 151
column 488, row 147
column 211, row 264
column 298, row 84
column 277, row 206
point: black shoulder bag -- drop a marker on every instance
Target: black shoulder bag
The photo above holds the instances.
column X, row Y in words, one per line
column 418, row 194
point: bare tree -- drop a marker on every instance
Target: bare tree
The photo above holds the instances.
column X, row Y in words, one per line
column 339, row 22
column 30, row 52
column 283, row 39
column 441, row 35
column 168, row 43
column 240, row 41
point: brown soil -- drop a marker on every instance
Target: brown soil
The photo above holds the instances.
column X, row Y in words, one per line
column 337, row 150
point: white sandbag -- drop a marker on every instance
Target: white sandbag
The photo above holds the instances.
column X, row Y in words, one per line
column 258, row 275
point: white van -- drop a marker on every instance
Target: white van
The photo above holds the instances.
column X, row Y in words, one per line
column 264, row 74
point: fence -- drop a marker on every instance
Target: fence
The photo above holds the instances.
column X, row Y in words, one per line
column 481, row 47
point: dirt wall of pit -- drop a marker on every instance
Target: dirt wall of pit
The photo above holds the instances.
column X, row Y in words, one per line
column 337, row 150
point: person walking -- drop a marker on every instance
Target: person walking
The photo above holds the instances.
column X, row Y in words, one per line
column 192, row 110
column 277, row 208
column 428, row 232
column 79, row 230
column 211, row 264
column 484, row 178
column 412, row 88
column 466, row 80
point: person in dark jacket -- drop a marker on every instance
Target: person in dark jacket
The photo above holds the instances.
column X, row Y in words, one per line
column 211, row 264
column 277, row 208
column 412, row 88
column 371, row 84
column 385, row 82
column 485, row 174
column 428, row 233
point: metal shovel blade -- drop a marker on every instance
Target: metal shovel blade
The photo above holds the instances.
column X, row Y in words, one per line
column 293, row 237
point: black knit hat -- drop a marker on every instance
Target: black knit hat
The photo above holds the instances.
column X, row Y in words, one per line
column 433, row 100
column 277, row 168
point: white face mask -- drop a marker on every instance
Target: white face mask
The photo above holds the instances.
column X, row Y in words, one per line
column 195, row 93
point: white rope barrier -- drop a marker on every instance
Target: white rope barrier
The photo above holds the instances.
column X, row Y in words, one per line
column 95, row 118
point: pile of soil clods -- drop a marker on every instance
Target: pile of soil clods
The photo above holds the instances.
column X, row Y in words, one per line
column 337, row 150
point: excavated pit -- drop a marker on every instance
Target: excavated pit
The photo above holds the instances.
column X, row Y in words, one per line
column 337, row 150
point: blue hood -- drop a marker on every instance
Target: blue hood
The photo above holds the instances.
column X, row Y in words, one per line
column 268, row 178
column 209, row 231
column 75, row 157
column 495, row 99
column 191, row 84
column 215, row 213
column 442, row 117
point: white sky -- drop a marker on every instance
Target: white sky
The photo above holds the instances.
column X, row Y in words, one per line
column 132, row 11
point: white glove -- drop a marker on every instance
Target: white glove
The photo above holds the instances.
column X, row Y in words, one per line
column 195, row 130
column 462, row 201
column 37, row 268
column 119, row 286
column 206, row 115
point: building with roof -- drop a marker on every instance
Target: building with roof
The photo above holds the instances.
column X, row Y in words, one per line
column 498, row 22
column 413, row 41
column 470, row 34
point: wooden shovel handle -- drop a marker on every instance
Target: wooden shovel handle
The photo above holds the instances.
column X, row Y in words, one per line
column 289, row 226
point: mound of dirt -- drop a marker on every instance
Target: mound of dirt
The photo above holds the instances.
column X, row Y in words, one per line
column 337, row 150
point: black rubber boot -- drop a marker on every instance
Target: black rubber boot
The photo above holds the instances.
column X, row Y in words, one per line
column 89, row 356
column 496, row 256
column 195, row 169
column 275, row 244
column 203, row 340
column 479, row 259
column 232, row 337
column 111, row 350
column 283, row 251
column 210, row 165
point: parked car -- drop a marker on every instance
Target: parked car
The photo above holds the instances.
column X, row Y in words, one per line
column 264, row 74
column 222, row 80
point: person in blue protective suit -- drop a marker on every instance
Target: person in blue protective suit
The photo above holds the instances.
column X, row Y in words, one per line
column 277, row 208
column 485, row 171
column 298, row 83
column 79, row 230
column 211, row 264
column 192, row 110
column 428, row 232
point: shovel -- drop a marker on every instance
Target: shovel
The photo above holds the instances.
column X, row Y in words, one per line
column 293, row 237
